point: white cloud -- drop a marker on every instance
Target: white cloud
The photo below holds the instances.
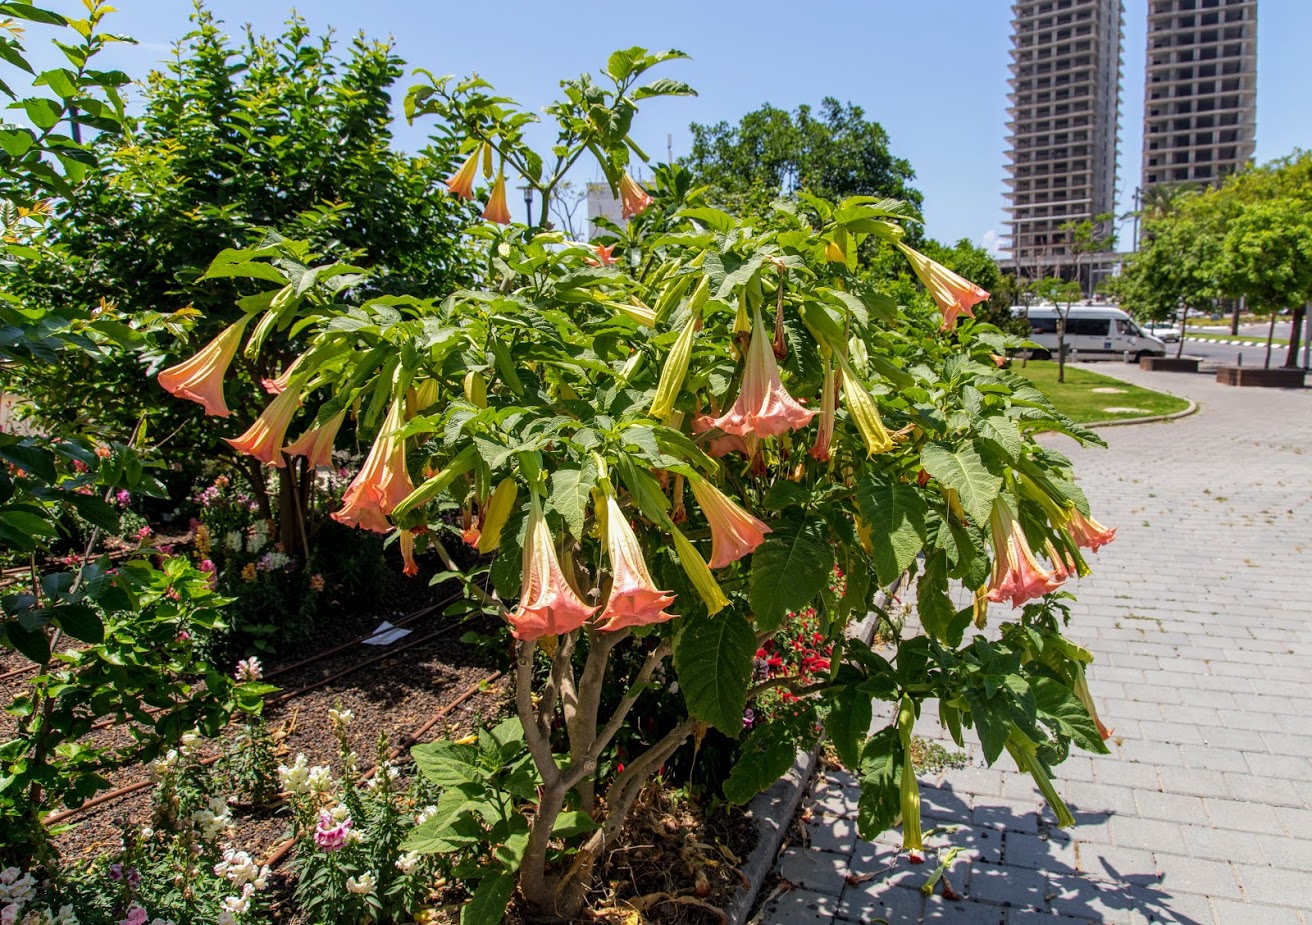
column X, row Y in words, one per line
column 991, row 241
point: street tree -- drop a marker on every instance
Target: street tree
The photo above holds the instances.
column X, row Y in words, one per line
column 1062, row 294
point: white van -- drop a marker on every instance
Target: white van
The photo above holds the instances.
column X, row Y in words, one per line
column 1092, row 332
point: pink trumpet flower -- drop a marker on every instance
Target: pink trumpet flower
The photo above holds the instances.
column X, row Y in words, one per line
column 316, row 444
column 1017, row 576
column 764, row 408
column 954, row 294
column 719, row 446
column 200, row 379
column 264, row 439
column 496, row 209
column 382, row 482
column 462, row 182
column 734, row 532
column 633, row 197
column 548, row 606
column 1088, row 533
column 278, row 385
column 408, row 554
column 634, row 599
column 828, row 411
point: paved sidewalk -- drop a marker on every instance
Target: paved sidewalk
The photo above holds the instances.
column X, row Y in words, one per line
column 1200, row 620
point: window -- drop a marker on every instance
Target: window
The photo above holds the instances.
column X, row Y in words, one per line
column 1095, row 327
column 1043, row 325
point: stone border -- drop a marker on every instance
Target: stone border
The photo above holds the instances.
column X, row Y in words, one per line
column 1193, row 407
column 774, row 809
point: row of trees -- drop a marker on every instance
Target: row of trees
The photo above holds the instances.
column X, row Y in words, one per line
column 1250, row 239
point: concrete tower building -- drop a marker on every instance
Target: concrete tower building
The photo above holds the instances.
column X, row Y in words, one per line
column 1064, row 118
column 1200, row 91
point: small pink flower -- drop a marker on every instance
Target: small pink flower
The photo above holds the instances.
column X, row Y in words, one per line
column 331, row 835
column 116, row 872
column 136, row 916
column 144, row 533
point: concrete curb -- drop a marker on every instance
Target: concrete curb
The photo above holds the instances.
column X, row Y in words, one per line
column 1151, row 419
column 774, row 809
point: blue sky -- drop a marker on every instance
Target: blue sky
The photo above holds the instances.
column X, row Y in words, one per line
column 933, row 72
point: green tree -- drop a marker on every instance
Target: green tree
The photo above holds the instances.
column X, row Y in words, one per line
column 1267, row 256
column 1062, row 294
column 834, row 154
column 237, row 139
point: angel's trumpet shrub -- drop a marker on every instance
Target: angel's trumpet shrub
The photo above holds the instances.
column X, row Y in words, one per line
column 264, row 439
column 763, row 408
column 734, row 532
column 200, row 379
column 953, row 294
column 1087, row 532
column 408, row 554
column 865, row 413
column 462, row 182
column 496, row 209
column 694, row 566
column 634, row 598
column 1017, row 575
column 316, row 444
column 548, row 605
column 382, row 482
column 1086, row 697
column 1025, row 754
column 633, row 198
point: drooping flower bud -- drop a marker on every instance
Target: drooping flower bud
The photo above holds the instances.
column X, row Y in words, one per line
column 675, row 371
column 698, row 573
column 496, row 513
column 865, row 413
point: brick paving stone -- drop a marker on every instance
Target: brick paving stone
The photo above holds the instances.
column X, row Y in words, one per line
column 821, row 871
column 1202, row 815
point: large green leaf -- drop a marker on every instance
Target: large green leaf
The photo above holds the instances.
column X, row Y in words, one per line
column 765, row 757
column 447, row 764
column 881, row 775
column 895, row 514
column 848, row 723
column 714, row 657
column 1060, row 708
column 488, row 904
column 962, row 468
column 788, row 570
column 571, row 486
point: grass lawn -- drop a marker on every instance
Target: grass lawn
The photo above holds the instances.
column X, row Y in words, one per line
column 1080, row 396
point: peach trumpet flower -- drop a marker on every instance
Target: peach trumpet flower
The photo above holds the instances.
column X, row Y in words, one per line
column 828, row 412
column 1087, row 532
column 547, row 603
column 279, row 384
column 634, row 598
column 1017, row 575
column 408, row 554
column 633, row 198
column 382, row 482
column 462, row 182
column 719, row 446
column 954, row 294
column 200, row 379
column 764, row 408
column 734, row 532
column 497, row 210
column 316, row 444
column 264, row 439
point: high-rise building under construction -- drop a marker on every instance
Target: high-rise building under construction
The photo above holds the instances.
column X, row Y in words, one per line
column 1064, row 116
column 1200, row 90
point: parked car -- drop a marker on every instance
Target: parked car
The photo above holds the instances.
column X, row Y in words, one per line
column 1163, row 331
column 1094, row 332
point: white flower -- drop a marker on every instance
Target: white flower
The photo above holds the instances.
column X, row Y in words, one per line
column 161, row 766
column 225, row 918
column 68, row 917
column 258, row 536
column 244, row 873
column 249, row 670
column 239, row 905
column 16, row 887
column 295, row 779
column 407, row 862
column 340, row 813
column 319, row 780
column 233, row 541
column 187, row 744
column 363, row 884
column 9, row 914
column 428, row 812
column 340, row 718
column 214, row 820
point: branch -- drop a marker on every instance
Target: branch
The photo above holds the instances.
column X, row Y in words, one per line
column 539, row 745
column 551, row 689
column 790, row 683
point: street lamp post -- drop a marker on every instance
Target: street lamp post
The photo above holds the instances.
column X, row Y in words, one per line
column 528, row 203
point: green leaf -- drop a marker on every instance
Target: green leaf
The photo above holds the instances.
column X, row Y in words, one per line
column 788, row 570
column 714, row 658
column 571, row 489
column 962, row 468
column 573, row 822
column 80, row 621
column 32, row 14
column 881, row 776
column 44, row 113
column 933, row 604
column 95, row 510
column 895, row 514
column 848, row 724
column 1060, row 708
column 488, row 904
column 447, row 764
column 765, row 757
column 31, row 643
column 15, row 141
